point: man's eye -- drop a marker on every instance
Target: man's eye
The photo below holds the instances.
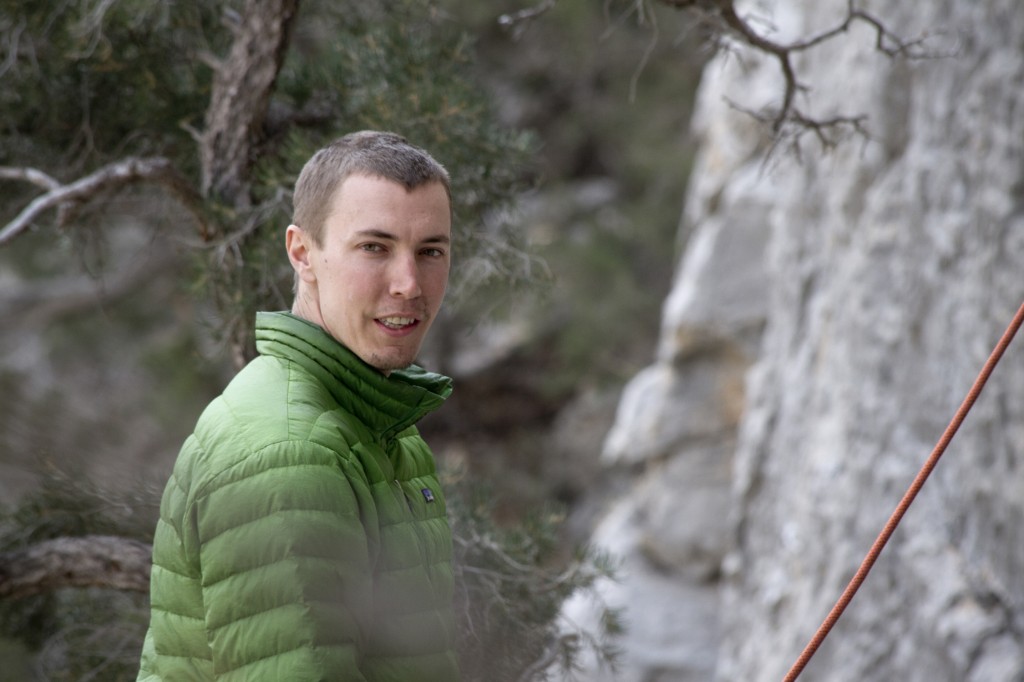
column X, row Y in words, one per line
column 433, row 253
column 372, row 248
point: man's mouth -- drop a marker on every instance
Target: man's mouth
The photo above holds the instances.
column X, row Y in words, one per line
column 397, row 322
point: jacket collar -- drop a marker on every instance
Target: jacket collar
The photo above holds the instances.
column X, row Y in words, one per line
column 387, row 405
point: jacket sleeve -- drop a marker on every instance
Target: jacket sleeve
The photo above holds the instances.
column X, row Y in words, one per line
column 285, row 564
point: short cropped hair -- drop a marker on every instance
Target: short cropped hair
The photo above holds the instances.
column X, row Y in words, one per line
column 368, row 152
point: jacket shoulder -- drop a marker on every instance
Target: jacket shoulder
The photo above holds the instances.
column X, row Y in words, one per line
column 271, row 414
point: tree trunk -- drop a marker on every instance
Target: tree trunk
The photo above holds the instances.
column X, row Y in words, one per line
column 242, row 86
column 89, row 561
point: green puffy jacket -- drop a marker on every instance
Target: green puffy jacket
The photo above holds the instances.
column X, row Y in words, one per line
column 303, row 533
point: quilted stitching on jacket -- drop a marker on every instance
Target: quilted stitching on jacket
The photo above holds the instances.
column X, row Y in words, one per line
column 302, row 533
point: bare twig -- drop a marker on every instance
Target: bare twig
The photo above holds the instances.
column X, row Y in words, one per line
column 886, row 41
column 645, row 16
column 12, row 38
column 515, row 19
column 112, row 176
column 829, row 132
column 548, row 658
column 91, row 28
column 724, row 14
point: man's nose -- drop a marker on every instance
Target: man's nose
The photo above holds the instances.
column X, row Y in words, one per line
column 405, row 277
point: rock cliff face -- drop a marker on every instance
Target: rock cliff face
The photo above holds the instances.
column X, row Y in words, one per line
column 829, row 315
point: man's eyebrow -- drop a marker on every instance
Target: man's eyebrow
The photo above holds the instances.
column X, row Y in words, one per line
column 383, row 234
column 376, row 234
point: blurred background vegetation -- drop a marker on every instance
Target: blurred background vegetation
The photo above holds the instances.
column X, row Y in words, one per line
column 566, row 135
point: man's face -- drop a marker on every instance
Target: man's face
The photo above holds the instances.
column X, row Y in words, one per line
column 377, row 280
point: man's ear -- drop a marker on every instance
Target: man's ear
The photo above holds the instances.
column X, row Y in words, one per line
column 298, row 244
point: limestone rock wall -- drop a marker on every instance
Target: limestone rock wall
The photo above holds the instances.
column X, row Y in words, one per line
column 830, row 314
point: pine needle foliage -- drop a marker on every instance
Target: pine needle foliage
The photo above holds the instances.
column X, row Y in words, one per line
column 400, row 66
column 511, row 584
column 86, row 82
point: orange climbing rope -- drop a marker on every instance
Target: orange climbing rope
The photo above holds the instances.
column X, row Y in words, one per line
column 908, row 497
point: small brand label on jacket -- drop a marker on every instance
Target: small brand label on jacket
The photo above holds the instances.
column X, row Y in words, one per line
column 428, row 494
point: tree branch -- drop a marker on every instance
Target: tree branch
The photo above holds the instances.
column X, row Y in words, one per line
column 89, row 561
column 32, row 175
column 118, row 174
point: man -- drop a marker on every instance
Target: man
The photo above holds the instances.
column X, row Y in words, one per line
column 303, row 533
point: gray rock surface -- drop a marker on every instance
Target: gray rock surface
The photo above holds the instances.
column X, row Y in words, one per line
column 674, row 435
column 829, row 315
